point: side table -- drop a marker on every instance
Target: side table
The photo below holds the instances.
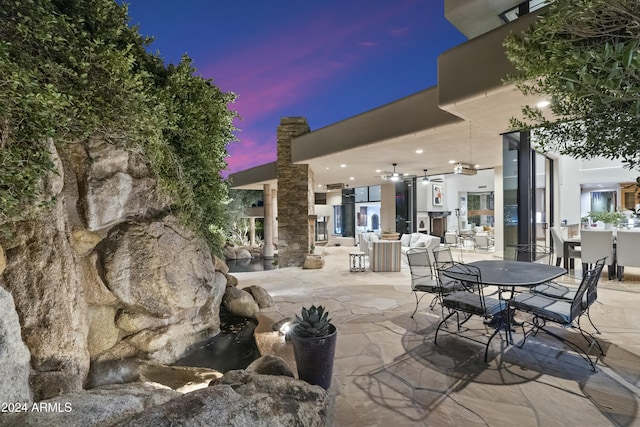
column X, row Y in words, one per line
column 356, row 261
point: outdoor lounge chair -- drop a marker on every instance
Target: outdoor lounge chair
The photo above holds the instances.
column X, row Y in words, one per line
column 565, row 313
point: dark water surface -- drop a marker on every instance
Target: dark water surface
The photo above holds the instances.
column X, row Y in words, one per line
column 250, row 264
column 233, row 348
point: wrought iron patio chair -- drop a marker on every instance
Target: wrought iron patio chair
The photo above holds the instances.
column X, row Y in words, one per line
column 531, row 252
column 566, row 313
column 567, row 292
column 471, row 301
column 423, row 277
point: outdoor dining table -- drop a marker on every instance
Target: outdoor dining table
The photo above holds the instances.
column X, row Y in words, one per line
column 507, row 276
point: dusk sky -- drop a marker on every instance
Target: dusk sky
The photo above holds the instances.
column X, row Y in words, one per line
column 324, row 60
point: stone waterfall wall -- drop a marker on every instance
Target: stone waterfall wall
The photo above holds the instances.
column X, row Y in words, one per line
column 106, row 273
column 295, row 197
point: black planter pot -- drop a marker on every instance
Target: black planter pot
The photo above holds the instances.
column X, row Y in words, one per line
column 314, row 357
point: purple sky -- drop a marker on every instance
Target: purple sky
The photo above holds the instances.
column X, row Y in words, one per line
column 324, row 60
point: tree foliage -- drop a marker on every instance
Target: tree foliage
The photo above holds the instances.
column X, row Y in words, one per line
column 71, row 70
column 583, row 55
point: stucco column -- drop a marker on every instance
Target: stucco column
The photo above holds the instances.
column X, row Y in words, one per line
column 267, row 250
column 252, row 231
column 274, row 203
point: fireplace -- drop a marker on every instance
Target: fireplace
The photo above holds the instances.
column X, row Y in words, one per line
column 438, row 223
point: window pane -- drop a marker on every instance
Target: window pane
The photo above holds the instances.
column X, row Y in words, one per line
column 362, row 194
column 374, row 193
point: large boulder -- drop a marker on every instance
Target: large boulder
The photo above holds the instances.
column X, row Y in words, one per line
column 118, row 186
column 313, row 262
column 14, row 355
column 240, row 303
column 271, row 365
column 180, row 378
column 108, row 405
column 261, row 296
column 159, row 268
column 242, row 399
column 46, row 279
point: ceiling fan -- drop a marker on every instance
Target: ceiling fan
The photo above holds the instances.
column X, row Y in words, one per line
column 391, row 176
column 426, row 180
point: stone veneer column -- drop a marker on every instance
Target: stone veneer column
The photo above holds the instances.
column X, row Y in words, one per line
column 295, row 197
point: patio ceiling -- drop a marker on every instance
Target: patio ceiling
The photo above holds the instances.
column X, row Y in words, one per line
column 476, row 141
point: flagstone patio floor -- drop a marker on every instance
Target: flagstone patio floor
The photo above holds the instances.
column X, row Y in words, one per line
column 388, row 371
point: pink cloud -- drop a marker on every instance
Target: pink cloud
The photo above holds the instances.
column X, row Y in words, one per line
column 285, row 68
column 252, row 149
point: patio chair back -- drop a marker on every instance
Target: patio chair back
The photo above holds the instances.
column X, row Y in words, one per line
column 627, row 250
column 422, row 276
column 531, row 252
column 558, row 245
column 442, row 255
column 419, row 266
column 596, row 244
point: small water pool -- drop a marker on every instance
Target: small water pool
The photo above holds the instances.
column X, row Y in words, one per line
column 233, row 348
column 251, row 264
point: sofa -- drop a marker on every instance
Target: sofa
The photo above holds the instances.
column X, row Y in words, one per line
column 419, row 240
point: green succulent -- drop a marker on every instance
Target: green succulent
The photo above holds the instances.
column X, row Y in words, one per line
column 313, row 323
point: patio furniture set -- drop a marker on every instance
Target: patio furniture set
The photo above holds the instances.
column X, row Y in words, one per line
column 495, row 290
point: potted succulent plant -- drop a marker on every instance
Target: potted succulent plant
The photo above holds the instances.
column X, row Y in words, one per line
column 314, row 344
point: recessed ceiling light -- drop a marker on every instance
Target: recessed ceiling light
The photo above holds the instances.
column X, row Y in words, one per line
column 327, row 167
column 543, row 104
column 378, row 170
column 451, row 162
column 419, row 151
column 343, row 165
column 351, row 178
column 476, row 166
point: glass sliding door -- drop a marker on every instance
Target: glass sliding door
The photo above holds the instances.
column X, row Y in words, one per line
column 527, row 193
column 542, row 198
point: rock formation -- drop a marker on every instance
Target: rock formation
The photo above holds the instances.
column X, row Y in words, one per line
column 106, row 272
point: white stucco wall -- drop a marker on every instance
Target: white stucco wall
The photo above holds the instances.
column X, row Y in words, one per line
column 597, row 172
